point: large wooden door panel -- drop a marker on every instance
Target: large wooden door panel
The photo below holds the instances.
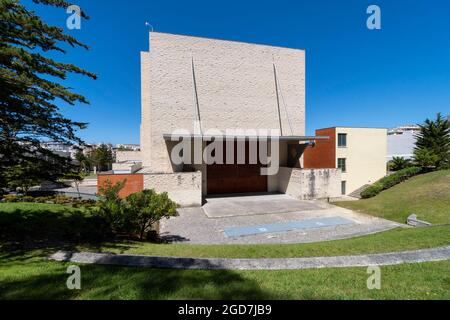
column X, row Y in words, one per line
column 235, row 178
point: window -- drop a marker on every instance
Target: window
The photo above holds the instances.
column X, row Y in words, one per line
column 342, row 140
column 344, row 188
column 342, row 164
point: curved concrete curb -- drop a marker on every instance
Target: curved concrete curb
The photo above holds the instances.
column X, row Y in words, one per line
column 380, row 259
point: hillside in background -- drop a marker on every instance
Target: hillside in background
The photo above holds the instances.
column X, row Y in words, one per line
column 426, row 195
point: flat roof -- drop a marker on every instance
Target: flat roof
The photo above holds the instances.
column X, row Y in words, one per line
column 227, row 40
column 178, row 137
column 353, row 127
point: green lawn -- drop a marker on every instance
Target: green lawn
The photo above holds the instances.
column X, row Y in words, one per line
column 393, row 240
column 26, row 275
column 426, row 195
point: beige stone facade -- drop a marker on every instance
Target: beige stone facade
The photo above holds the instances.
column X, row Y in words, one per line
column 226, row 85
column 235, row 88
column 124, row 156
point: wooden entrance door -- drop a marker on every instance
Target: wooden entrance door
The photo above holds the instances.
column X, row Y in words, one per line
column 236, row 178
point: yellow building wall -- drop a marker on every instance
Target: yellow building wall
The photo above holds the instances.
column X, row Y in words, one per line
column 366, row 153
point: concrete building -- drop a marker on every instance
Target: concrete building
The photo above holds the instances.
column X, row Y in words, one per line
column 402, row 141
column 360, row 153
column 61, row 149
column 196, row 89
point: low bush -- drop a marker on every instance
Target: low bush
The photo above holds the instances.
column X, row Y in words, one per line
column 55, row 199
column 146, row 208
column 137, row 214
column 372, row 191
column 51, row 223
column 390, row 181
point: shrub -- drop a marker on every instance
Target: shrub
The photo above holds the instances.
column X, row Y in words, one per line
column 426, row 158
column 390, row 181
column 60, row 199
column 372, row 191
column 51, row 224
column 146, row 208
column 399, row 163
column 136, row 214
column 111, row 207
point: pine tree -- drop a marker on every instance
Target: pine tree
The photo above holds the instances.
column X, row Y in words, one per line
column 433, row 140
column 32, row 89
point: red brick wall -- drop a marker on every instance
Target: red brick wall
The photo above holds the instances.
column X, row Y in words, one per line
column 323, row 154
column 134, row 182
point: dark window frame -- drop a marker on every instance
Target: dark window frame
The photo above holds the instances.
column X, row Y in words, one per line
column 340, row 145
column 342, row 166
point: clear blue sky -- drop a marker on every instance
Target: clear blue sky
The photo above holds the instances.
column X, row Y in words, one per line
column 356, row 77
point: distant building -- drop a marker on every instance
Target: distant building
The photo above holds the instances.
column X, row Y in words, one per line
column 401, row 141
column 401, row 130
column 127, row 147
column 61, row 149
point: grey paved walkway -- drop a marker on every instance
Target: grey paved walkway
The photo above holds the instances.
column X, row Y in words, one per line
column 382, row 259
column 257, row 204
column 193, row 226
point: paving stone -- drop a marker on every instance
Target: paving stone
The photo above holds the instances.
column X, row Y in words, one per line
column 380, row 259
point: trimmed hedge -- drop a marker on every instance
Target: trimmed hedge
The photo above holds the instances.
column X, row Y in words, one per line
column 55, row 199
column 51, row 223
column 390, row 181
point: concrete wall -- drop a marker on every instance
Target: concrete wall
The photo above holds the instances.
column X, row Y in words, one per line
column 306, row 184
column 123, row 156
column 235, row 89
column 126, row 167
column 185, row 188
column 366, row 156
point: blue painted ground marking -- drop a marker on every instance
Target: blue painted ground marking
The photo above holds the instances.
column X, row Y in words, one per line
column 287, row 226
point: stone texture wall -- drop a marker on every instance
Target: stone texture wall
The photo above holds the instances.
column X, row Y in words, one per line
column 235, row 89
column 123, row 156
column 185, row 188
column 126, row 167
column 307, row 184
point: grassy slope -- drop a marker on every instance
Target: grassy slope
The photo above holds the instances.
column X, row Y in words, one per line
column 426, row 195
column 26, row 275
column 393, row 240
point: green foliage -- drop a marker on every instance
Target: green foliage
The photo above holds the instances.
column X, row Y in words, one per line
column 136, row 214
column 22, row 176
column 390, row 181
column 146, row 208
column 101, row 157
column 54, row 199
column 84, row 164
column 29, row 173
column 433, row 143
column 426, row 158
column 399, row 163
column 111, row 207
column 32, row 222
column 31, row 92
